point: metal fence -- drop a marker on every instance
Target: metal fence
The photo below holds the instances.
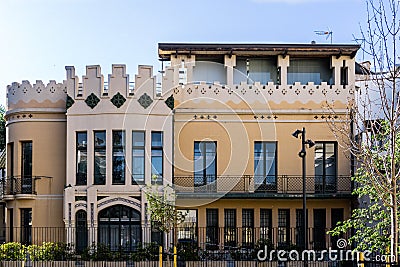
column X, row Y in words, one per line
column 134, row 245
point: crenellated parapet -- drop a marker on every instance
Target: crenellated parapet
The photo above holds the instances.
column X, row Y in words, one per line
column 92, row 93
column 38, row 95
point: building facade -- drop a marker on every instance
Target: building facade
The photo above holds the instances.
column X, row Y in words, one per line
column 236, row 162
column 36, row 169
column 119, row 140
column 218, row 128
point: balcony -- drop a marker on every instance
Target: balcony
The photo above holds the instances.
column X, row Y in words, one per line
column 259, row 186
column 12, row 186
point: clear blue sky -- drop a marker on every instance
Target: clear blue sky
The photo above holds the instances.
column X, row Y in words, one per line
column 40, row 37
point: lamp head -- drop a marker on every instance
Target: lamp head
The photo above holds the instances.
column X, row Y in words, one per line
column 310, row 143
column 296, row 133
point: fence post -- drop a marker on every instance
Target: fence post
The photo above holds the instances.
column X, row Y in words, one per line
column 160, row 250
column 175, row 257
column 361, row 260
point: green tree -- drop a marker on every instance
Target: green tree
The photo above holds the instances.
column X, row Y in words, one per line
column 374, row 131
column 163, row 212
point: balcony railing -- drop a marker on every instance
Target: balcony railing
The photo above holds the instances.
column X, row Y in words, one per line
column 283, row 184
column 14, row 185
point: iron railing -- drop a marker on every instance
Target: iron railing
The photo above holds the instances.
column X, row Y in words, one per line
column 283, row 184
column 197, row 246
column 13, row 185
column 132, row 237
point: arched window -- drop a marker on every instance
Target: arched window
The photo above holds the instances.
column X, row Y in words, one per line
column 119, row 228
column 81, row 231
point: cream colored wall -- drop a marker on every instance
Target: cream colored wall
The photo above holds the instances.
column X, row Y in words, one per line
column 235, row 144
column 131, row 116
column 37, row 113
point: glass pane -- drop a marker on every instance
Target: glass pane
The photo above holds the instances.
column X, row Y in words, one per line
column 118, row 138
column 118, row 166
column 27, row 159
column 210, row 147
column 270, row 155
column 262, row 70
column 81, row 140
column 156, row 165
column 118, row 161
column 198, row 164
column 240, row 71
column 137, row 138
column 318, row 160
column 100, row 166
column 330, row 161
column 81, row 162
column 309, row 70
column 100, row 139
column 138, row 164
column 208, row 71
column 156, row 139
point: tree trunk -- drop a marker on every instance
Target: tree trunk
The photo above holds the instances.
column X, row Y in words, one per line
column 394, row 235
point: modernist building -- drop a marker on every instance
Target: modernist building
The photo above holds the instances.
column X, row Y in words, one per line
column 219, row 128
column 236, row 162
column 36, row 160
column 79, row 154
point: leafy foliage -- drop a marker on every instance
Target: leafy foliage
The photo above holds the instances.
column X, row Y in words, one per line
column 148, row 252
column 370, row 222
column 50, row 251
column 12, row 251
column 162, row 210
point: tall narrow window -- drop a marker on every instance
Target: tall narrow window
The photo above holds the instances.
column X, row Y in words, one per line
column 100, row 157
column 230, row 228
column 325, row 167
column 26, row 168
column 337, row 215
column 205, row 163
column 81, row 158
column 10, row 159
column 26, row 226
column 344, row 80
column 10, row 215
column 265, row 166
column 138, row 157
column 212, row 240
column 118, row 159
column 248, row 227
column 81, row 235
column 319, row 228
column 266, row 224
column 9, row 182
column 157, row 156
column 283, row 228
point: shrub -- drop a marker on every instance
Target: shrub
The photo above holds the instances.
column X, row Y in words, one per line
column 188, row 251
column 50, row 251
column 148, row 252
column 12, row 251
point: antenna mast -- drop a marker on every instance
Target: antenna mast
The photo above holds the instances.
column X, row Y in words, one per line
column 328, row 34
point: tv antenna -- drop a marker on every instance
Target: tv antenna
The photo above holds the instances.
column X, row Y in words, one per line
column 328, row 34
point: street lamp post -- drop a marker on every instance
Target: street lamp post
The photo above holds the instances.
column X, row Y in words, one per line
column 302, row 155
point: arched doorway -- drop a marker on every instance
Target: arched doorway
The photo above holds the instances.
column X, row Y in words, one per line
column 119, row 228
column 81, row 231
